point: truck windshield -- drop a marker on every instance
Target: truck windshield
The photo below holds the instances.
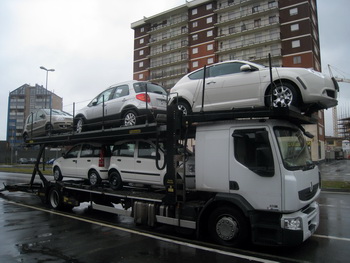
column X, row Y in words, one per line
column 293, row 148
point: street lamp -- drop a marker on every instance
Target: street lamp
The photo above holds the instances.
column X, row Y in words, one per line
column 47, row 77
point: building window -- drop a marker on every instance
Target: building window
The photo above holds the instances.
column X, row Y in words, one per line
column 194, row 11
column 141, row 52
column 210, row 47
column 195, row 50
column 209, row 20
column 294, row 27
column 297, row 60
column 293, row 11
column 142, row 41
column 295, row 43
column 142, row 29
column 209, row 6
column 141, row 76
column 272, row 4
column 255, row 9
column 257, row 22
column 231, row 30
column 210, row 61
column 195, row 37
column 141, row 64
column 272, row 19
column 195, row 64
column 195, row 24
column 210, row 33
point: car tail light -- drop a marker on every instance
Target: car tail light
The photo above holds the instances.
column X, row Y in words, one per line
column 101, row 161
column 143, row 97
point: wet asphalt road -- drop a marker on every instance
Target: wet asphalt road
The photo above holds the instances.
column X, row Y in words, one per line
column 29, row 232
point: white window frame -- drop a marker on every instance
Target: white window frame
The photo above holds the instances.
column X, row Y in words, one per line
column 293, row 11
column 295, row 43
column 294, row 27
column 195, row 64
column 210, row 33
column 194, row 11
column 195, row 50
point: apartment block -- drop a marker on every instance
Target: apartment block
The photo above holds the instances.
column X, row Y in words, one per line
column 22, row 101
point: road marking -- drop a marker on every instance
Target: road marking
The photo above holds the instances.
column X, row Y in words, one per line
column 332, row 237
column 182, row 243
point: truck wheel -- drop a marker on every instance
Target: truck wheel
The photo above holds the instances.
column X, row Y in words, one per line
column 115, row 181
column 228, row 226
column 94, row 177
column 55, row 199
column 130, row 118
column 57, row 175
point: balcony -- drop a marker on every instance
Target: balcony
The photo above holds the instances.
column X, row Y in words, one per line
column 168, row 61
column 167, row 36
column 165, row 49
column 165, row 24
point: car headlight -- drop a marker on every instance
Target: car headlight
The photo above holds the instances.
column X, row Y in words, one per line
column 319, row 74
column 293, row 223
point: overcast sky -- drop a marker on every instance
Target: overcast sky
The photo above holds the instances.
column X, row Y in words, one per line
column 89, row 43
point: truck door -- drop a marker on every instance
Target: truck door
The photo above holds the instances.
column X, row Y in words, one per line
column 254, row 172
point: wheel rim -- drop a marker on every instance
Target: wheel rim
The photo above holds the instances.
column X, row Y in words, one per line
column 93, row 178
column 56, row 174
column 282, row 97
column 79, row 128
column 130, row 119
column 54, row 199
column 227, row 228
column 182, row 108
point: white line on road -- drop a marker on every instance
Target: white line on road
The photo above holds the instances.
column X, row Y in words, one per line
column 333, row 237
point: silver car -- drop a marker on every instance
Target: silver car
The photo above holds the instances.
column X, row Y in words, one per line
column 126, row 104
column 45, row 122
column 240, row 84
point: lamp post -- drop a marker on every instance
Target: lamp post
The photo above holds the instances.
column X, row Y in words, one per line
column 47, row 76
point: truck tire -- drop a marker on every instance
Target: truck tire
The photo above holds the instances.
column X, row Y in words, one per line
column 94, row 178
column 57, row 175
column 227, row 226
column 55, row 199
column 115, row 181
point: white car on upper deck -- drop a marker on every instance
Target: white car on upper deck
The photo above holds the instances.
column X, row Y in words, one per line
column 240, row 84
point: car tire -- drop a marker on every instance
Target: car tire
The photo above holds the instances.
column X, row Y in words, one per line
column 57, row 175
column 115, row 181
column 184, row 107
column 79, row 125
column 25, row 137
column 94, row 178
column 227, row 226
column 48, row 129
column 130, row 118
column 283, row 95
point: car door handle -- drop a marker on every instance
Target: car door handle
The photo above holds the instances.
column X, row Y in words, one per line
column 74, row 161
column 211, row 82
column 138, row 161
column 124, row 100
column 89, row 161
column 119, row 160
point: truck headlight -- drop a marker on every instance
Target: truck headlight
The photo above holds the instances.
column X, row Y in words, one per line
column 293, row 223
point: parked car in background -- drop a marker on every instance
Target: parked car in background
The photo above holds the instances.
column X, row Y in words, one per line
column 45, row 122
column 240, row 84
column 125, row 104
column 137, row 161
column 88, row 161
column 22, row 161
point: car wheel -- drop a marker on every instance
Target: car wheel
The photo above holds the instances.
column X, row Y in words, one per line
column 227, row 226
column 130, row 118
column 184, row 107
column 25, row 137
column 94, row 177
column 79, row 125
column 283, row 95
column 57, row 175
column 48, row 129
column 115, row 181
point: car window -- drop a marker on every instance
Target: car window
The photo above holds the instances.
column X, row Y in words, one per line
column 39, row 115
column 103, row 96
column 121, row 91
column 146, row 150
column 226, row 68
column 126, row 149
column 151, row 87
column 90, row 151
column 198, row 74
column 73, row 153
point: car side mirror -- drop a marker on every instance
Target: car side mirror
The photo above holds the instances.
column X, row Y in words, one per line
column 42, row 116
column 245, row 68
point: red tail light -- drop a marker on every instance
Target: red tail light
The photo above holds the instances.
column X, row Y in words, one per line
column 143, row 97
column 101, row 161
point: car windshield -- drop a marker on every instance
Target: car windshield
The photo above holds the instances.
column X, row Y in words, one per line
column 56, row 112
column 294, row 150
column 151, row 87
